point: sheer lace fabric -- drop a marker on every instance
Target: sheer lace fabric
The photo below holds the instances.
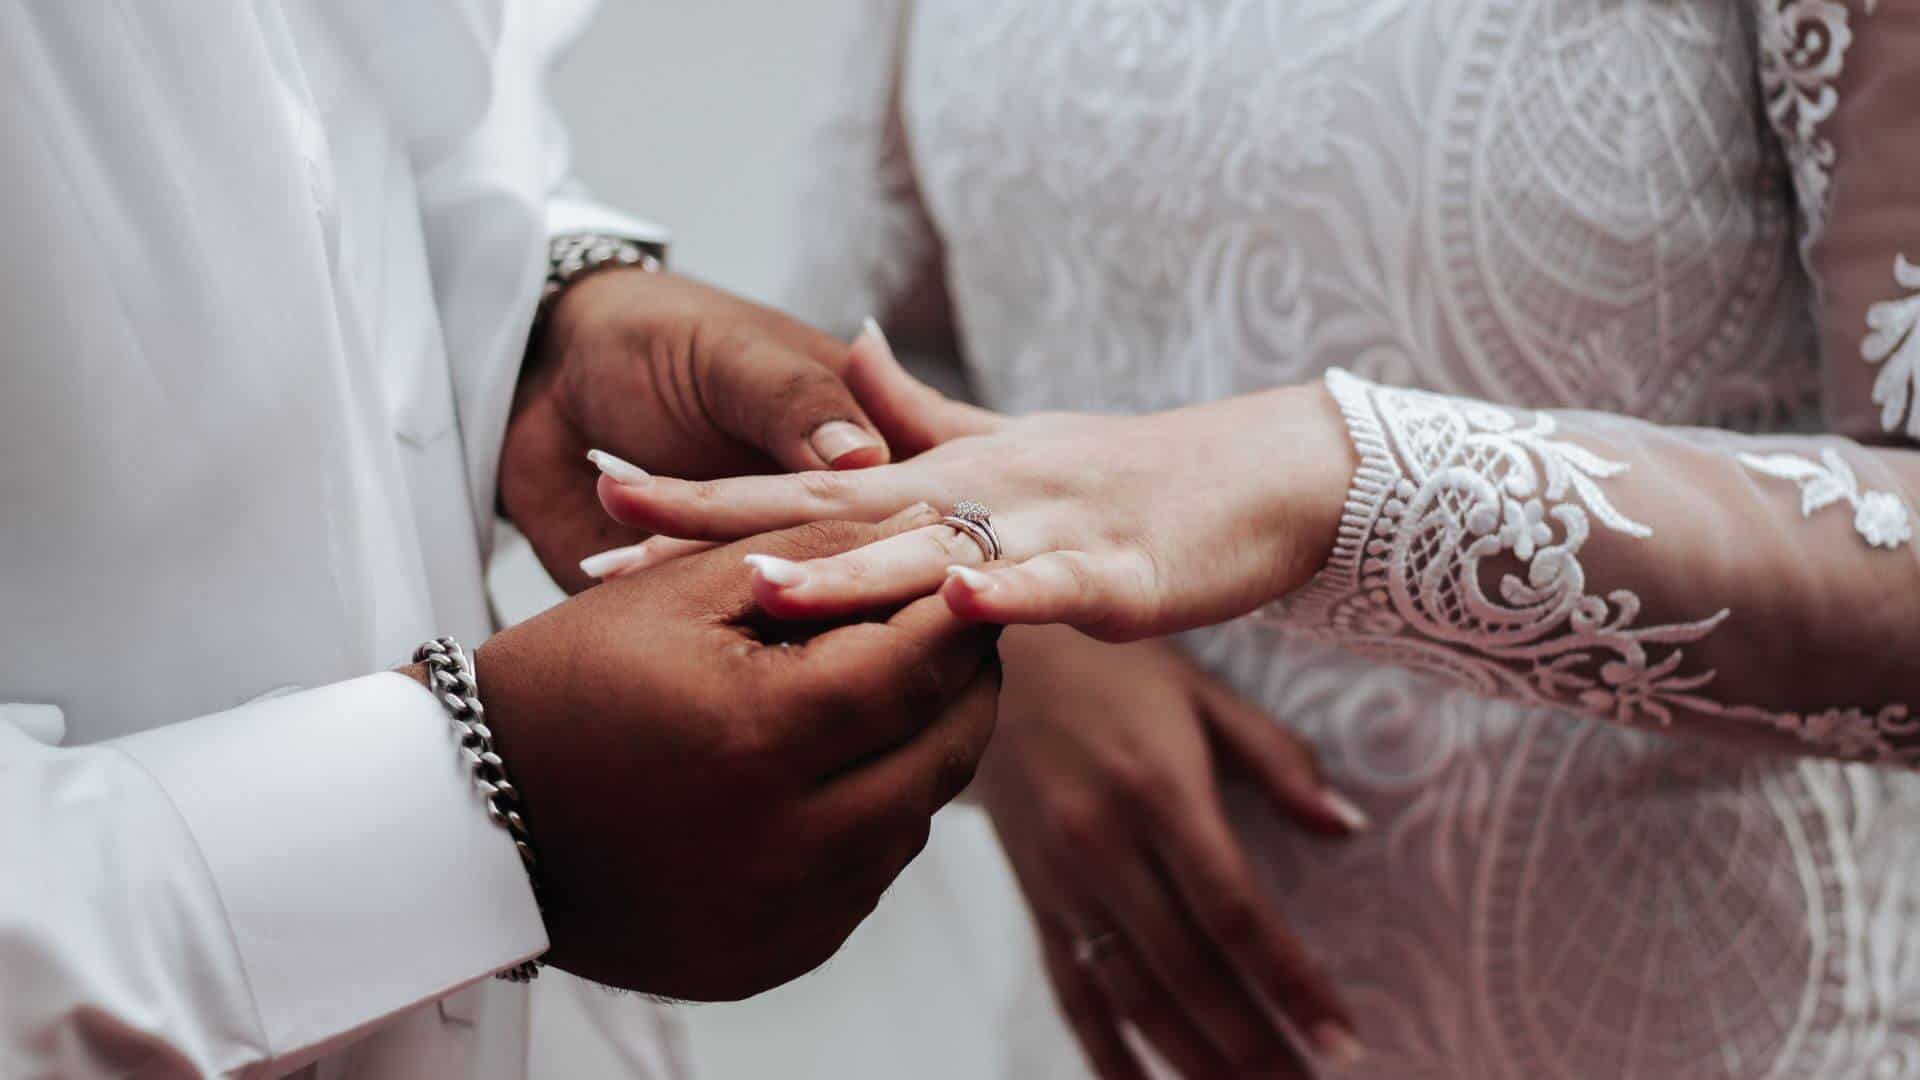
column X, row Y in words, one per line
column 1496, row 541
column 1550, row 205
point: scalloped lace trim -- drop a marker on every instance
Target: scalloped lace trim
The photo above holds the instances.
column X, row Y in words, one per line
column 1452, row 494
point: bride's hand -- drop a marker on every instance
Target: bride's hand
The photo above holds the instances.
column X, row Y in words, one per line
column 1103, row 782
column 1125, row 527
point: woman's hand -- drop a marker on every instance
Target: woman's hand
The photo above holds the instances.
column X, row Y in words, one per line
column 1126, row 527
column 1101, row 783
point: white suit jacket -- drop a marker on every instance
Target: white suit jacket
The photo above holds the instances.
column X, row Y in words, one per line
column 266, row 274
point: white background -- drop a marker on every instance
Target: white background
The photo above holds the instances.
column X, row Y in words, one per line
column 696, row 114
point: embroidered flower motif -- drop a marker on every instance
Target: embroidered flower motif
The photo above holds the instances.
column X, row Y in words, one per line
column 1882, row 518
column 1895, row 344
column 1878, row 516
column 1803, row 48
column 1525, row 528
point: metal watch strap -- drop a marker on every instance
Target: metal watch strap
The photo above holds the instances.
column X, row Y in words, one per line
column 450, row 675
column 572, row 256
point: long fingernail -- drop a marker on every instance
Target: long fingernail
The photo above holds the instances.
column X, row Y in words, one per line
column 777, row 571
column 1345, row 810
column 836, row 439
column 617, row 469
column 1337, row 1046
column 871, row 333
column 971, row 578
column 613, row 563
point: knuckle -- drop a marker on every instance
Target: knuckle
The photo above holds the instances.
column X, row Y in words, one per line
column 957, row 769
column 1233, row 921
column 817, row 539
column 1078, row 821
column 1142, row 785
column 829, row 487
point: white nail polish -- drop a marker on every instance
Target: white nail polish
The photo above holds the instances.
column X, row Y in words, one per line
column 613, row 563
column 1337, row 1047
column 871, row 329
column 971, row 578
column 617, row 469
column 1345, row 810
column 778, row 572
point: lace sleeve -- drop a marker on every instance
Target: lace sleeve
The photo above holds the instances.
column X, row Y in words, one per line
column 865, row 245
column 1762, row 587
column 1757, row 587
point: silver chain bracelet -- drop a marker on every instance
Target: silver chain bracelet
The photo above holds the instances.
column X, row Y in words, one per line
column 572, row 256
column 451, row 676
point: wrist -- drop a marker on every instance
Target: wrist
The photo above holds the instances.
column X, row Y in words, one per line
column 1320, row 498
column 416, row 672
column 1292, row 484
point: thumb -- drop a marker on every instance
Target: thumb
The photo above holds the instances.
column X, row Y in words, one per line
column 914, row 416
column 793, row 409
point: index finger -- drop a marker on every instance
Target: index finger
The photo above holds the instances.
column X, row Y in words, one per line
column 749, row 505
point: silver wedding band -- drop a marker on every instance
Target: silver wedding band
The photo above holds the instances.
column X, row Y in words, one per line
column 976, row 523
column 1091, row 951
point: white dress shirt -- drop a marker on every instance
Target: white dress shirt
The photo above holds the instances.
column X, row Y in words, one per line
column 266, row 273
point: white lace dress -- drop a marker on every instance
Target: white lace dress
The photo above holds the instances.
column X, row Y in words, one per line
column 1557, row 204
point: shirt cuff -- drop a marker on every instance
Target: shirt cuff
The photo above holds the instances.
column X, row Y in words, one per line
column 567, row 215
column 359, row 869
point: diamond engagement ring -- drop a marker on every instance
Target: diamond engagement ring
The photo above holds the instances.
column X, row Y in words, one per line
column 976, row 522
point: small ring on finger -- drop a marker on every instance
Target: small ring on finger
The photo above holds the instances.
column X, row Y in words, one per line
column 1092, row 950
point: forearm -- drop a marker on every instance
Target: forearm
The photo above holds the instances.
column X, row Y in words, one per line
column 1740, row 585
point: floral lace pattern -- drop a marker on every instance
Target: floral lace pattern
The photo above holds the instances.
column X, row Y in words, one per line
column 1448, row 493
column 1553, row 203
column 1879, row 517
column 1894, row 343
column 1803, row 48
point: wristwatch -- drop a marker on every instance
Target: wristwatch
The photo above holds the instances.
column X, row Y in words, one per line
column 572, row 256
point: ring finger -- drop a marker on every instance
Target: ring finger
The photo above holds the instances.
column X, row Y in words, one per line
column 1131, row 991
column 1205, row 989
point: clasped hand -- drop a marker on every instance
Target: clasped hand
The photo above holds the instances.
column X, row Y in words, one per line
column 1126, row 527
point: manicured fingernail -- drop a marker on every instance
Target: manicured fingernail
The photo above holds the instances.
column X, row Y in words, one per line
column 777, row 571
column 1337, row 1047
column 613, row 563
column 836, row 439
column 971, row 578
column 871, row 333
column 1345, row 810
column 617, row 469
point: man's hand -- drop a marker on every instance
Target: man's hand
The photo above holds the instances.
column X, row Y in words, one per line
column 715, row 811
column 675, row 377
